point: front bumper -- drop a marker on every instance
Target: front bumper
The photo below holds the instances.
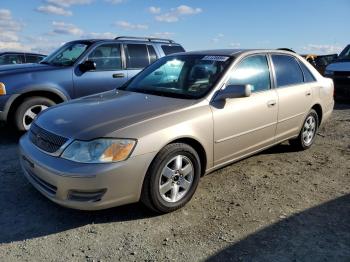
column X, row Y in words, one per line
column 83, row 186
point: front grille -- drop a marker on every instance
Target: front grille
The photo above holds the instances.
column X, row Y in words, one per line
column 47, row 187
column 45, row 140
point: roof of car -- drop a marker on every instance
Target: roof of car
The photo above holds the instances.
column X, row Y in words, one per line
column 130, row 39
column 20, row 53
column 232, row 52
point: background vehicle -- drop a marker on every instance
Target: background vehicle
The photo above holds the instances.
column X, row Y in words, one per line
column 8, row 58
column 339, row 71
column 320, row 62
column 183, row 116
column 76, row 69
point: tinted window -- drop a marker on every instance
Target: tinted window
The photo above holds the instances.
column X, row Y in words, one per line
column 253, row 70
column 287, row 70
column 168, row 49
column 308, row 77
column 11, row 59
column 106, row 57
column 152, row 54
column 33, row 59
column 137, row 56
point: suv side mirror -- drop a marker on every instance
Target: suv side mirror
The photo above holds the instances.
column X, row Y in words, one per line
column 234, row 91
column 88, row 65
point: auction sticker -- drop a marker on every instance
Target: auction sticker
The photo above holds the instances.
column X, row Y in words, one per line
column 215, row 58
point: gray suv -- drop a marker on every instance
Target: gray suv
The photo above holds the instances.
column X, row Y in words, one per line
column 78, row 68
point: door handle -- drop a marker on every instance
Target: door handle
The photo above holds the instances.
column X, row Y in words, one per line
column 118, row 75
column 271, row 103
column 308, row 93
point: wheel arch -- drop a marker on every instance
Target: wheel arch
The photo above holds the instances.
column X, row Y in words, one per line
column 54, row 95
column 318, row 108
column 198, row 147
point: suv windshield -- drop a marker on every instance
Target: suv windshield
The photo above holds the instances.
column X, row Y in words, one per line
column 182, row 76
column 345, row 54
column 67, row 54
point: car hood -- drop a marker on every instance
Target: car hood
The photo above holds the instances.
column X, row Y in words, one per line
column 24, row 68
column 99, row 115
column 339, row 66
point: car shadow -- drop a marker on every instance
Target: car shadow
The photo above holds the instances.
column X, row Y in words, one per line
column 321, row 233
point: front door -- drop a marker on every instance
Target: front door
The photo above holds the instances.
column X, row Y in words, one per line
column 244, row 125
column 109, row 73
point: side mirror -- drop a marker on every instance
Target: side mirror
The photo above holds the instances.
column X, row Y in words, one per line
column 88, row 65
column 234, row 91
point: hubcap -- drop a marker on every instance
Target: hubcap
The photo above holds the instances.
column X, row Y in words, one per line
column 309, row 130
column 176, row 179
column 30, row 115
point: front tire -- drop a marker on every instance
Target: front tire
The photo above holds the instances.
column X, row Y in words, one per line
column 172, row 178
column 28, row 110
column 307, row 133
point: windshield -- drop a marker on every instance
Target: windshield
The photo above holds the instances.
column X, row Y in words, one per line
column 67, row 54
column 345, row 54
column 182, row 76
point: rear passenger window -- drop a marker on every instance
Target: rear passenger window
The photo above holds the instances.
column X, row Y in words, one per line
column 287, row 70
column 106, row 57
column 172, row 49
column 152, row 54
column 137, row 56
column 308, row 77
column 253, row 70
column 33, row 59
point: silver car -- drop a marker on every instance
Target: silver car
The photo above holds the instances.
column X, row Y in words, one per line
column 182, row 117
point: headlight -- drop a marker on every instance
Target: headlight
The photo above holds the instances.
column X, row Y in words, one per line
column 328, row 73
column 104, row 150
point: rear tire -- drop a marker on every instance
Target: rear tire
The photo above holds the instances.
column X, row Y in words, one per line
column 307, row 133
column 28, row 110
column 172, row 178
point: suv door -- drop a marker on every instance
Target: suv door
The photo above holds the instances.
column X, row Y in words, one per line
column 138, row 56
column 245, row 125
column 294, row 94
column 109, row 73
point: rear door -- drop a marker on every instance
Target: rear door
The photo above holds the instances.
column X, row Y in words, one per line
column 294, row 95
column 109, row 73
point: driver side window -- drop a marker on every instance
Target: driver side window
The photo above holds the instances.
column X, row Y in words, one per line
column 107, row 57
column 253, row 70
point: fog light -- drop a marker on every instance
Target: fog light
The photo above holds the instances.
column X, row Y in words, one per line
column 86, row 196
column 2, row 89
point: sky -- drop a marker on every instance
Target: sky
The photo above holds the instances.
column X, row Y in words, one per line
column 306, row 26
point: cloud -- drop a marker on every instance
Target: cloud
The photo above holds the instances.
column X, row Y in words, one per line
column 63, row 28
column 9, row 30
column 175, row 14
column 104, row 35
column 68, row 3
column 154, row 10
column 114, row 2
column 235, row 45
column 325, row 49
column 51, row 9
column 129, row 26
column 162, row 35
column 217, row 38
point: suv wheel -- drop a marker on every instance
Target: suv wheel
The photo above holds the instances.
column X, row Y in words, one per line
column 307, row 133
column 29, row 109
column 172, row 178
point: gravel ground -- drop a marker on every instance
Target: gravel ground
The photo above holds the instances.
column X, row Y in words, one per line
column 279, row 205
